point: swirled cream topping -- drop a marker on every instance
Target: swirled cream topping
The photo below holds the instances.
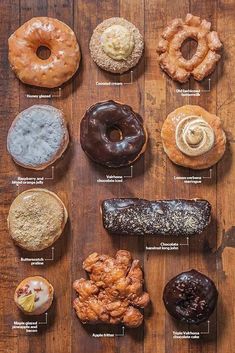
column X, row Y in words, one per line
column 194, row 136
column 117, row 42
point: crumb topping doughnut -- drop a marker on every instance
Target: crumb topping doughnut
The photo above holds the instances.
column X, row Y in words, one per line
column 190, row 297
column 203, row 61
column 95, row 138
column 116, row 45
column 193, row 137
column 38, row 137
column 36, row 219
column 34, row 295
column 63, row 61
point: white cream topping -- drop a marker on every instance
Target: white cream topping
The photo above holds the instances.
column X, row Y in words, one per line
column 36, row 296
column 194, row 136
column 117, row 42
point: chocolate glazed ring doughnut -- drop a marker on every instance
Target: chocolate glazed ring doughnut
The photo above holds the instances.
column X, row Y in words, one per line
column 97, row 125
column 59, row 38
column 190, row 297
column 203, row 61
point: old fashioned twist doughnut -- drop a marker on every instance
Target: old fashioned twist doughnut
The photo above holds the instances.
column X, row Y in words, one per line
column 203, row 61
column 64, row 58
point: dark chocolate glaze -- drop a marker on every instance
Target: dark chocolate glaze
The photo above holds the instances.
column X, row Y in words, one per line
column 95, row 141
column 190, row 297
column 166, row 217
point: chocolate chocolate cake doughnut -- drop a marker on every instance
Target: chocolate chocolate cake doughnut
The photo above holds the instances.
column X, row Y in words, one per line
column 97, row 125
column 190, row 297
column 163, row 217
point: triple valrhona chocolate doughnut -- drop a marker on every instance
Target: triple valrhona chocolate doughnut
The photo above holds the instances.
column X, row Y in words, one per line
column 163, row 217
column 190, row 297
column 99, row 121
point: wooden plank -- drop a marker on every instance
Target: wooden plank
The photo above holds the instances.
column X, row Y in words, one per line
column 153, row 95
column 225, row 181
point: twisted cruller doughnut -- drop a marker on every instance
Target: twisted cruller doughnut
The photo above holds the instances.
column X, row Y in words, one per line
column 203, row 61
column 193, row 138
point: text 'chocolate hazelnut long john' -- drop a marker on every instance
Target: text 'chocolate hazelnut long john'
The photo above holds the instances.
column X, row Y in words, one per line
column 163, row 217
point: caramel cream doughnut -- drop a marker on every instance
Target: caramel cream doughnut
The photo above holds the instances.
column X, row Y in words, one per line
column 101, row 118
column 193, row 138
column 203, row 61
column 38, row 137
column 53, row 34
column 36, row 219
column 190, row 297
column 162, row 217
column 116, row 45
column 34, row 295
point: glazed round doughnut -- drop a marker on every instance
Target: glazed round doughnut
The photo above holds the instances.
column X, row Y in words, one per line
column 37, row 137
column 97, row 124
column 36, row 219
column 203, row 61
column 190, row 297
column 59, row 38
column 193, row 137
column 34, row 295
column 116, row 45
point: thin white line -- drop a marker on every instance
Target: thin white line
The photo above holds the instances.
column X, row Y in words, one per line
column 52, row 255
column 209, row 88
column 45, row 322
column 57, row 95
column 129, row 176
column 52, row 174
column 187, row 244
column 121, row 334
column 131, row 82
column 208, row 177
column 208, row 329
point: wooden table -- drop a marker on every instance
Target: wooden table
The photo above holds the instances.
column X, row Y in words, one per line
column 153, row 95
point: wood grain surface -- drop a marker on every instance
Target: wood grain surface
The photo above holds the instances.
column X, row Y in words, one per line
column 153, row 95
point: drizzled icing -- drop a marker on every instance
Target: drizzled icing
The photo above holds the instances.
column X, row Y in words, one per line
column 194, row 136
column 117, row 42
column 33, row 295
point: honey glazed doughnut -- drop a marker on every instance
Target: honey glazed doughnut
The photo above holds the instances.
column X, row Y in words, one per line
column 59, row 38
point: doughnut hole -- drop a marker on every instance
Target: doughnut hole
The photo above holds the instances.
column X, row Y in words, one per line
column 43, row 52
column 114, row 133
column 189, row 48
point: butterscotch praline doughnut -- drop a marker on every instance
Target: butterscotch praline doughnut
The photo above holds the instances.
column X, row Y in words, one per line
column 36, row 219
column 64, row 58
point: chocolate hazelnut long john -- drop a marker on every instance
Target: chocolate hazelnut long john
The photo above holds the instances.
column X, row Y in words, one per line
column 163, row 217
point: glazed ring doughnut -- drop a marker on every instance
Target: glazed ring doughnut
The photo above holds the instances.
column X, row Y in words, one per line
column 95, row 133
column 203, row 61
column 64, row 57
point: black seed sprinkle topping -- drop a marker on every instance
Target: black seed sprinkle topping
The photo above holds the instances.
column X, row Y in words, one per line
column 163, row 217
